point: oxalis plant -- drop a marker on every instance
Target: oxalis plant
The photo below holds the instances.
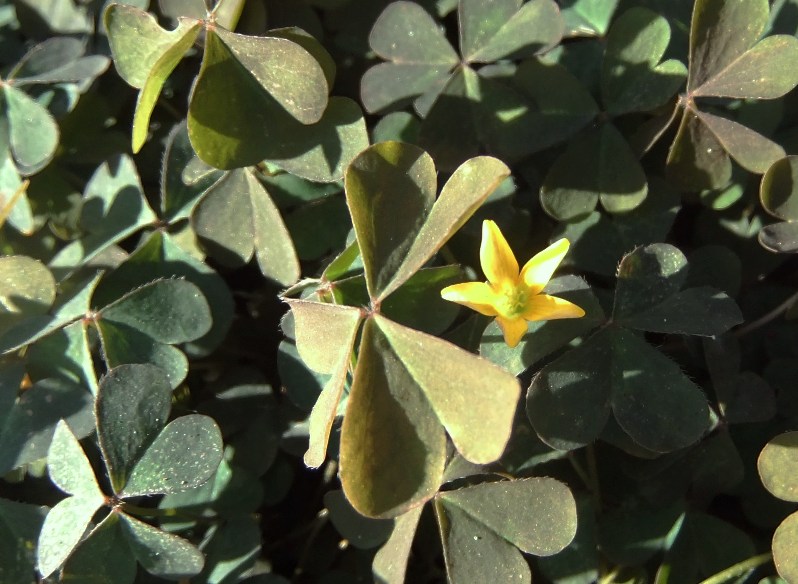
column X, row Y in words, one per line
column 418, row 291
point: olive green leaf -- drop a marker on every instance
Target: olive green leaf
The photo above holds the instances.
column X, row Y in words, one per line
column 27, row 288
column 777, row 465
column 104, row 557
column 325, row 338
column 146, row 64
column 777, row 192
column 236, row 218
column 785, row 539
column 393, row 448
column 244, row 83
column 390, row 189
column 484, row 527
column 727, row 61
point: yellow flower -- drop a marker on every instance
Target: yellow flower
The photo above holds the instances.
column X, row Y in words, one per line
column 511, row 296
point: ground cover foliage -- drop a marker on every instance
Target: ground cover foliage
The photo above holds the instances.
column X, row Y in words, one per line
column 225, row 229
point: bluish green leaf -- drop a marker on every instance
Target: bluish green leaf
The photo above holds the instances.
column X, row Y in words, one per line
column 68, row 466
column 29, row 424
column 133, row 404
column 104, row 557
column 62, row 530
column 33, row 133
column 183, row 456
column 19, row 529
column 161, row 554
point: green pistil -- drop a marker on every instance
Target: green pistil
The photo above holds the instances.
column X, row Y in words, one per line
column 513, row 301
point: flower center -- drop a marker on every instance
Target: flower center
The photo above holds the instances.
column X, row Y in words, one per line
column 512, row 300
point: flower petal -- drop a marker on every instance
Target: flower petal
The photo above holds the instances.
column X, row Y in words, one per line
column 497, row 259
column 477, row 296
column 537, row 271
column 545, row 307
column 513, row 329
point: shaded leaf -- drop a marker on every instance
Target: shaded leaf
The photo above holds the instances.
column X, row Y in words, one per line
column 217, row 220
column 633, row 79
column 132, row 406
column 103, row 557
column 609, row 171
column 652, row 400
column 780, row 237
column 587, row 17
column 161, row 554
column 778, row 192
column 566, row 403
column 390, row 561
column 31, row 418
column 19, row 529
column 648, row 276
column 361, row 532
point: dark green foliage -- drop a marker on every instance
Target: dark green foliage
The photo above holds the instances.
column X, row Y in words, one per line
column 225, row 229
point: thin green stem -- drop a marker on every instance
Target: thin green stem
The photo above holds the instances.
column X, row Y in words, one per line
column 763, row 320
column 609, row 577
column 740, row 569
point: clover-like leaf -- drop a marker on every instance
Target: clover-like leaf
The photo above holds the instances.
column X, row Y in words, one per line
column 113, row 207
column 785, row 538
column 132, row 406
column 325, row 337
column 726, row 62
column 30, row 419
column 184, row 455
column 609, row 171
column 104, row 557
column 66, row 523
column 419, row 56
column 633, row 79
column 32, row 130
column 362, row 532
column 266, row 77
column 217, row 220
column 777, row 465
column 648, row 297
column 141, row 326
column 389, row 422
column 587, row 17
column 27, row 288
column 160, row 553
column 569, row 400
column 67, row 309
column 390, row 561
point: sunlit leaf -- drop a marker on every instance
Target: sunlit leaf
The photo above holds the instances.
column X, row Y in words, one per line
column 393, row 447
